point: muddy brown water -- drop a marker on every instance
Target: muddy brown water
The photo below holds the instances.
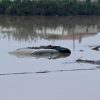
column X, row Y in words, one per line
column 24, row 77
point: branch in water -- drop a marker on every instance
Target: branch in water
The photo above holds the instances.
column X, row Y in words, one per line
column 97, row 62
column 96, row 48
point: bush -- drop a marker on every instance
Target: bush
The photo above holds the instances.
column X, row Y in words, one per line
column 48, row 7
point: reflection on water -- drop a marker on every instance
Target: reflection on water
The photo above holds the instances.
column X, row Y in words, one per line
column 50, row 28
column 50, row 79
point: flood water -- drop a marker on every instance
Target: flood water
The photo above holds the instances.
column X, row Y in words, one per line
column 39, row 78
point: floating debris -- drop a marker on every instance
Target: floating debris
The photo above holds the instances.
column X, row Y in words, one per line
column 81, row 50
column 97, row 48
column 49, row 52
column 97, row 62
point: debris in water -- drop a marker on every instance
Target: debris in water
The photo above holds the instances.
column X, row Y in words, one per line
column 88, row 61
column 97, row 48
column 49, row 52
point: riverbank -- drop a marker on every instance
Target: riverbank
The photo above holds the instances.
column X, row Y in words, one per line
column 48, row 7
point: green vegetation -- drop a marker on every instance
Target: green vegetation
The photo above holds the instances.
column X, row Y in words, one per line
column 49, row 7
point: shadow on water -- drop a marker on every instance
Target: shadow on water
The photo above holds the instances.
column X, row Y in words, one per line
column 48, row 71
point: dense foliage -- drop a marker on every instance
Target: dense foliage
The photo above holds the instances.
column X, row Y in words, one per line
column 48, row 7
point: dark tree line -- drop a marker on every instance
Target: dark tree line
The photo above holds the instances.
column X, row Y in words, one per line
column 49, row 7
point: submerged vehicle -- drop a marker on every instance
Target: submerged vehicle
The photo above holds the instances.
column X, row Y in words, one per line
column 49, row 52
